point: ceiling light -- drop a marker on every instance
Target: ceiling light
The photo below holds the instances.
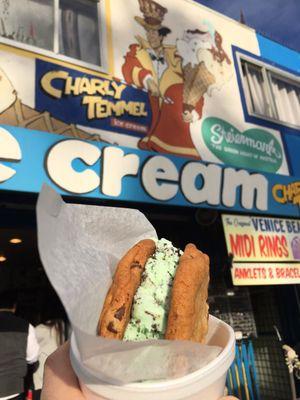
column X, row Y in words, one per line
column 230, row 293
column 2, row 258
column 15, row 240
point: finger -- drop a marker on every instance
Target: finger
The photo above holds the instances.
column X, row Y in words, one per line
column 190, row 251
column 228, row 398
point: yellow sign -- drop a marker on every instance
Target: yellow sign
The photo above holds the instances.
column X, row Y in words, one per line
column 244, row 274
column 287, row 193
column 250, row 238
column 93, row 92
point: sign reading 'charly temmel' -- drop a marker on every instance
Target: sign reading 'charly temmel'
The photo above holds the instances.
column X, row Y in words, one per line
column 88, row 100
column 99, row 170
column 253, row 148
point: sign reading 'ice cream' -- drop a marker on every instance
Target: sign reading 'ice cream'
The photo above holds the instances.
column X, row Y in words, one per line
column 250, row 238
column 103, row 171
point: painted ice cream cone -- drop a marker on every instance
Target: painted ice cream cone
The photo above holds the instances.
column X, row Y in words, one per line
column 204, row 62
column 197, row 80
column 196, row 76
column 7, row 92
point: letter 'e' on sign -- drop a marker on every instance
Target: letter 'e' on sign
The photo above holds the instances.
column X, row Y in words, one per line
column 160, row 177
column 209, row 189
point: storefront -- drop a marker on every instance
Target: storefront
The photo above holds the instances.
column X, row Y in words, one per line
column 187, row 134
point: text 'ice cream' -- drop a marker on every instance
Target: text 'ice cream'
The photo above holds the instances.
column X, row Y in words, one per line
column 151, row 302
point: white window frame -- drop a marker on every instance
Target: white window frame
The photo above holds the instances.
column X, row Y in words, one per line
column 101, row 11
column 267, row 70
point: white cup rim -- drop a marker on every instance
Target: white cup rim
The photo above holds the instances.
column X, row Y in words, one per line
column 226, row 356
column 189, row 378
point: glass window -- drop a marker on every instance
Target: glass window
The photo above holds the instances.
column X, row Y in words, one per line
column 255, row 88
column 28, row 21
column 67, row 27
column 79, row 30
column 271, row 94
column 287, row 100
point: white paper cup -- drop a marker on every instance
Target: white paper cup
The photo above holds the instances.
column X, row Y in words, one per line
column 207, row 383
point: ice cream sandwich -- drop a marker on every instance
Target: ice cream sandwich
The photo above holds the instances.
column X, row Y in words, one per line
column 158, row 292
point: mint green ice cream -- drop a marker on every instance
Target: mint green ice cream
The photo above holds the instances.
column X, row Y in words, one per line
column 151, row 302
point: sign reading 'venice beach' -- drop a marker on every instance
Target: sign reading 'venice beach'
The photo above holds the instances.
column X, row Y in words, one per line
column 251, row 238
column 255, row 242
column 99, row 170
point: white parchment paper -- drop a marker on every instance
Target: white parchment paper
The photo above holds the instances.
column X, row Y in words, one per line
column 80, row 246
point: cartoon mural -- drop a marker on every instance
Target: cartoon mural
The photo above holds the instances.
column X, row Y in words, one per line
column 172, row 86
column 177, row 78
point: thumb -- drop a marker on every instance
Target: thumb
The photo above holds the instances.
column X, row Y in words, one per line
column 229, row 398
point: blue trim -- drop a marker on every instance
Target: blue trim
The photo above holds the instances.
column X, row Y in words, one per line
column 268, row 60
column 288, row 156
column 283, row 129
column 292, row 144
column 248, row 117
column 280, row 55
